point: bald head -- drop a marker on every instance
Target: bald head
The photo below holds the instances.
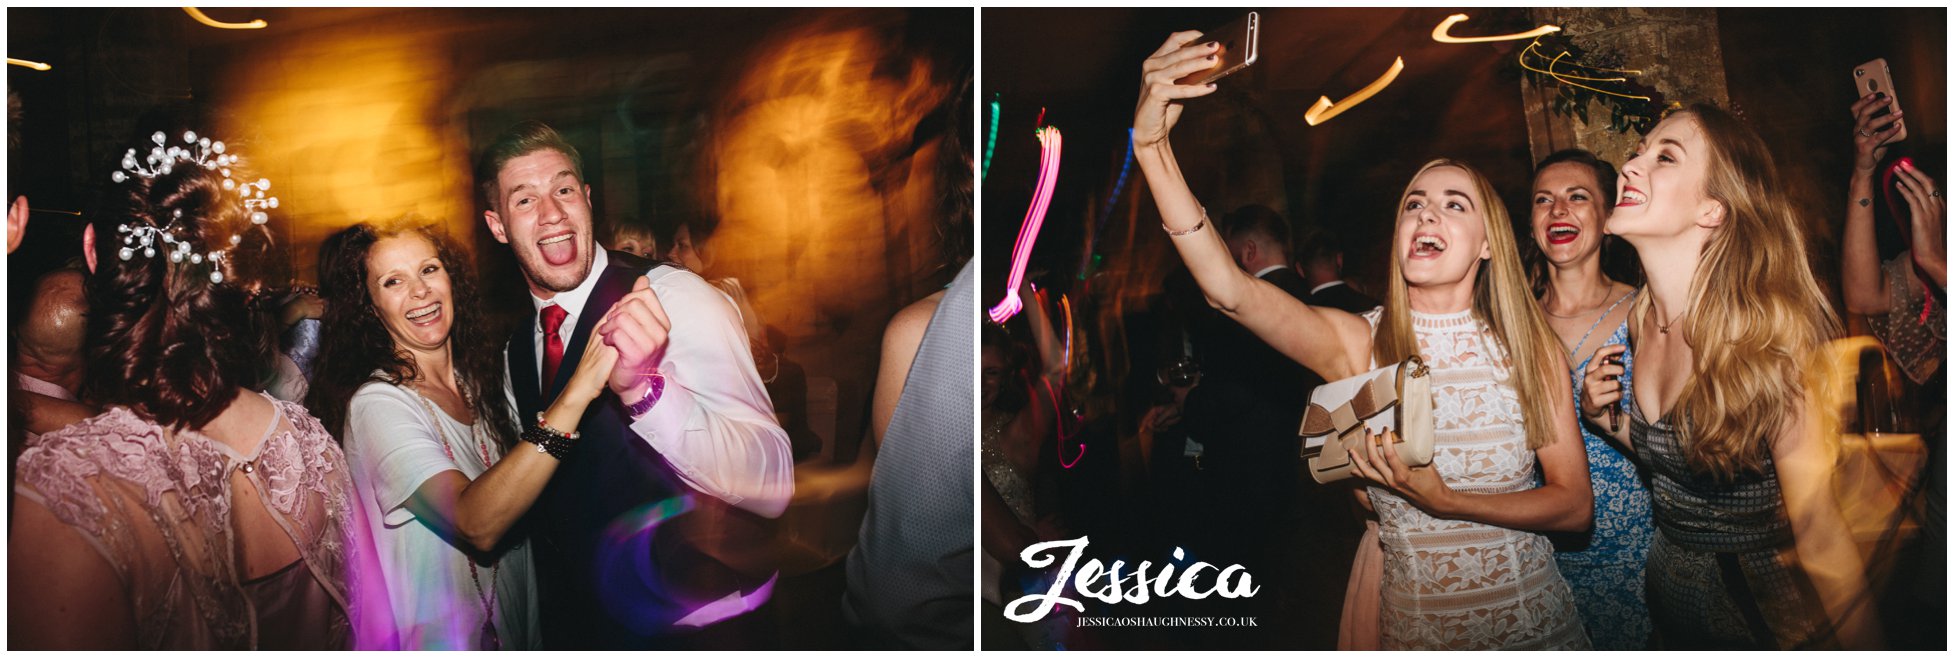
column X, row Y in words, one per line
column 50, row 337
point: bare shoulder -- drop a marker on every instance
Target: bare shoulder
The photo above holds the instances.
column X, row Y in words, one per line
column 900, row 340
column 908, row 325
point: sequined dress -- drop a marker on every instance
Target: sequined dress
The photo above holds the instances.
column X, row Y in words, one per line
column 1461, row 585
column 1012, row 486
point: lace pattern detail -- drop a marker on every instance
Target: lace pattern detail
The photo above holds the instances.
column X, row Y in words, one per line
column 158, row 508
column 1458, row 584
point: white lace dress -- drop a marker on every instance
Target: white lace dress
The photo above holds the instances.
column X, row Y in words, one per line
column 1459, row 584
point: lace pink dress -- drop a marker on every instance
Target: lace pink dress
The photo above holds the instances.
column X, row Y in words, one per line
column 157, row 506
column 1461, row 585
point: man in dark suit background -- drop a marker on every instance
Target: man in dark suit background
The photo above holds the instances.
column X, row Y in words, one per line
column 1295, row 535
column 643, row 536
column 1322, row 269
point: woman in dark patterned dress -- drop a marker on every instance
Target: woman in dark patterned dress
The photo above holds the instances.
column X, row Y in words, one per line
column 1750, row 548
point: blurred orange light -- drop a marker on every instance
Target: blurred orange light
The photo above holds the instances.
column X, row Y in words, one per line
column 1442, row 34
column 29, row 64
column 1324, row 109
column 255, row 24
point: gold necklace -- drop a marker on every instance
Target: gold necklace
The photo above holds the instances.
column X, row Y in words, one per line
column 1664, row 326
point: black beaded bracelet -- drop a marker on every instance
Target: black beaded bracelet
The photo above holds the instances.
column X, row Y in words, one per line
column 548, row 440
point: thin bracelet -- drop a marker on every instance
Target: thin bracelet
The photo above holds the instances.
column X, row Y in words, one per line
column 1197, row 226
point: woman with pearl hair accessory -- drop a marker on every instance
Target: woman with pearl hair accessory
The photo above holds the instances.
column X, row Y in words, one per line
column 161, row 161
column 195, row 512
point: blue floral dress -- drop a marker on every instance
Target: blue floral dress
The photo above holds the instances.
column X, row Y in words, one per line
column 1607, row 576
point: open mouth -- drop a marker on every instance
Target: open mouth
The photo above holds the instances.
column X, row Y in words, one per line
column 1631, row 197
column 1561, row 233
column 558, row 249
column 1426, row 245
column 425, row 314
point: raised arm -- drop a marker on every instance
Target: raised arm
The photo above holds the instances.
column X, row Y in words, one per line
column 1295, row 329
column 1862, row 281
column 1565, row 503
column 712, row 419
column 1805, row 462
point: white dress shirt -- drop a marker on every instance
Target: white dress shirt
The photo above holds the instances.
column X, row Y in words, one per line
column 1325, row 286
column 714, row 422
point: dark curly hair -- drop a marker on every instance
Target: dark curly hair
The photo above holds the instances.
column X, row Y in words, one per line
column 166, row 341
column 355, row 347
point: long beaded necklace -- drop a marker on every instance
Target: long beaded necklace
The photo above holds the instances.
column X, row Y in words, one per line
column 488, row 639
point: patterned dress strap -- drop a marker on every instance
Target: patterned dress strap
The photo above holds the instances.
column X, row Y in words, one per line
column 1597, row 323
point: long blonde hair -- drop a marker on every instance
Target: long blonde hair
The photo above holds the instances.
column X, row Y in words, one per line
column 1501, row 298
column 1756, row 319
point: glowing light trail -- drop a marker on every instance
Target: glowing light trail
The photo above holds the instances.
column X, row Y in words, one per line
column 255, row 24
column 1126, row 167
column 1065, row 305
column 1441, row 33
column 38, row 66
column 1034, row 218
column 990, row 139
column 1568, row 78
column 1324, row 110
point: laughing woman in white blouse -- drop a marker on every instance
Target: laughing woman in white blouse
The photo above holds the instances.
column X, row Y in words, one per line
column 414, row 388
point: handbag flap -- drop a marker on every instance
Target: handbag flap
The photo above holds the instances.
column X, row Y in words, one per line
column 1345, row 402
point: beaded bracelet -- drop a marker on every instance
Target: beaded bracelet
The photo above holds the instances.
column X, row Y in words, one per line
column 549, row 440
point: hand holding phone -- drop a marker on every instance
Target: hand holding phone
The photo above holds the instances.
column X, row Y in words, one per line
column 1601, row 387
column 1875, row 77
column 1240, row 43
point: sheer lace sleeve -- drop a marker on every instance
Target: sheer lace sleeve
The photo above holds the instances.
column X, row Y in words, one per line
column 62, row 474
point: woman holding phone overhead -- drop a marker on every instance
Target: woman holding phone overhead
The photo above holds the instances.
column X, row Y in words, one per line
column 1750, row 549
column 1464, row 565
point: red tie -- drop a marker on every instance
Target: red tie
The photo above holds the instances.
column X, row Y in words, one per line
column 553, row 316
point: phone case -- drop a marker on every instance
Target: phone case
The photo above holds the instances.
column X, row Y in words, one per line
column 1873, row 77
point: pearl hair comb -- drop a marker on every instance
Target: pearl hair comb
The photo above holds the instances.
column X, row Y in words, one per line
column 161, row 160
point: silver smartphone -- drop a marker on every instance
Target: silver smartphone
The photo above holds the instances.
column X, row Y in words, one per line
column 1240, row 43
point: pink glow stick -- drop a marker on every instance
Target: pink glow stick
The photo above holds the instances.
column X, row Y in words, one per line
column 1034, row 218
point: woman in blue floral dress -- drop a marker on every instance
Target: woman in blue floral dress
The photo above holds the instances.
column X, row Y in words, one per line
column 1572, row 194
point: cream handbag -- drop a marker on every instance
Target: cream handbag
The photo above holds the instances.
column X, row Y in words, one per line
column 1396, row 397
